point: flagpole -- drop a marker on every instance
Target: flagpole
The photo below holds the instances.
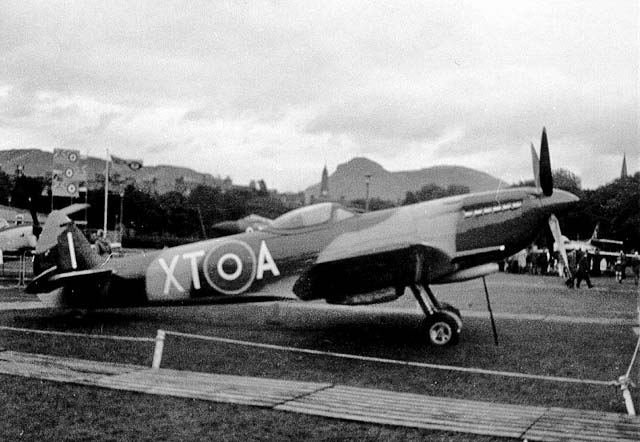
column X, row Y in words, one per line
column 106, row 196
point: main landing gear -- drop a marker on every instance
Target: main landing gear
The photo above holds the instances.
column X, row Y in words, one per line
column 443, row 322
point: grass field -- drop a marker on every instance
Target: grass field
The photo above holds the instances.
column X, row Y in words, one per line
column 539, row 347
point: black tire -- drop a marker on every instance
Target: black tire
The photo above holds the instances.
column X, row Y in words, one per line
column 442, row 328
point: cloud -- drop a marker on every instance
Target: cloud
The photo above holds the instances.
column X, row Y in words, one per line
column 260, row 87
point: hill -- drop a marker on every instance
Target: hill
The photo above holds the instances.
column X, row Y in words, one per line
column 348, row 180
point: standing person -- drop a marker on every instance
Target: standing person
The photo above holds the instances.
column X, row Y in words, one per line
column 571, row 258
column 596, row 263
column 102, row 244
column 619, row 266
column 583, row 271
column 636, row 267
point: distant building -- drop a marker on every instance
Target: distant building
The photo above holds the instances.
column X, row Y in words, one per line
column 292, row 200
column 227, row 184
column 623, row 172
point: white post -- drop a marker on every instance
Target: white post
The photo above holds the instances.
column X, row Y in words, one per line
column 628, row 401
column 157, row 352
column 106, row 196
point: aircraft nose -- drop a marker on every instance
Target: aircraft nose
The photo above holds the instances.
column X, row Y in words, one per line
column 560, row 200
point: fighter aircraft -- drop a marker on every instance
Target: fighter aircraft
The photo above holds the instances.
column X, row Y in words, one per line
column 594, row 243
column 604, row 247
column 327, row 252
column 21, row 237
column 249, row 223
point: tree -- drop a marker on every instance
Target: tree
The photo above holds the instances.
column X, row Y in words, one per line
column 374, row 204
column 566, row 180
column 181, row 220
column 433, row 191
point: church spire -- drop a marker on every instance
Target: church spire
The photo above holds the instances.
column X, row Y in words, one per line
column 324, row 184
column 623, row 173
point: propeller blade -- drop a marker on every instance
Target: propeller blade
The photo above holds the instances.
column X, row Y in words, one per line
column 546, row 177
column 554, row 226
column 536, row 166
column 493, row 322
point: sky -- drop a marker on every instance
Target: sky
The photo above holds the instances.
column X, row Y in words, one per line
column 275, row 90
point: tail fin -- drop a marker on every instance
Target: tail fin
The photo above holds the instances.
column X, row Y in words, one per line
column 63, row 245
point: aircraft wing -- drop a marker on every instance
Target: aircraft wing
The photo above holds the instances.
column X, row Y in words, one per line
column 352, row 275
column 603, row 254
column 599, row 242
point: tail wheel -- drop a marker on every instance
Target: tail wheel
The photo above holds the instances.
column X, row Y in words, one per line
column 443, row 328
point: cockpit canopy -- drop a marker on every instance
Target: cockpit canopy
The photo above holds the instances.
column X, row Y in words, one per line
column 309, row 216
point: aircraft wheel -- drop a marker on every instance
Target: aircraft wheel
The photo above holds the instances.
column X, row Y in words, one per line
column 443, row 328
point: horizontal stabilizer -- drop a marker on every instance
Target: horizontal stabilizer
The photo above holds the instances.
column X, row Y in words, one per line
column 48, row 281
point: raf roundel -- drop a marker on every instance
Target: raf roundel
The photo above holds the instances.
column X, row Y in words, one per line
column 230, row 267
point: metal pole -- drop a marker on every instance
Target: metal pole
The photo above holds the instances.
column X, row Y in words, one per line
column 204, row 231
column 106, row 196
column 493, row 322
column 121, row 215
column 366, row 200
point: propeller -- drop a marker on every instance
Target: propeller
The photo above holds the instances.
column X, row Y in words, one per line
column 544, row 180
column 36, row 227
column 536, row 165
column 546, row 177
column 554, row 226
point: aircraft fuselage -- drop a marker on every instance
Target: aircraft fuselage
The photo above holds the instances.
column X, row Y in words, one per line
column 359, row 253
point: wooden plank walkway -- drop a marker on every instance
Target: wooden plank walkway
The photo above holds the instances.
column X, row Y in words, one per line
column 337, row 401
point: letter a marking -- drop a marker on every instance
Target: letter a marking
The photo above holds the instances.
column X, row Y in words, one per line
column 170, row 279
column 266, row 262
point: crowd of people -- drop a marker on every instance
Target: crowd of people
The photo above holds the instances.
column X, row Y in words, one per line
column 582, row 265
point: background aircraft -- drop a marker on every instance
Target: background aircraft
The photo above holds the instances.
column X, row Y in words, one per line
column 603, row 251
column 19, row 238
column 249, row 223
column 325, row 250
column 606, row 247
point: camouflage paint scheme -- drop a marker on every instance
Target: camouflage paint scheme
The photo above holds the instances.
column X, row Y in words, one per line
column 344, row 257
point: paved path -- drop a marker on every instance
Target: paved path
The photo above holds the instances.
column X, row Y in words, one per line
column 336, row 401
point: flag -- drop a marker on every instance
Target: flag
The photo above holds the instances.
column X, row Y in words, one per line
column 66, row 166
column 131, row 164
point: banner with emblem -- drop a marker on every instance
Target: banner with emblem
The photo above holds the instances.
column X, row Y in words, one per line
column 67, row 173
column 131, row 164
